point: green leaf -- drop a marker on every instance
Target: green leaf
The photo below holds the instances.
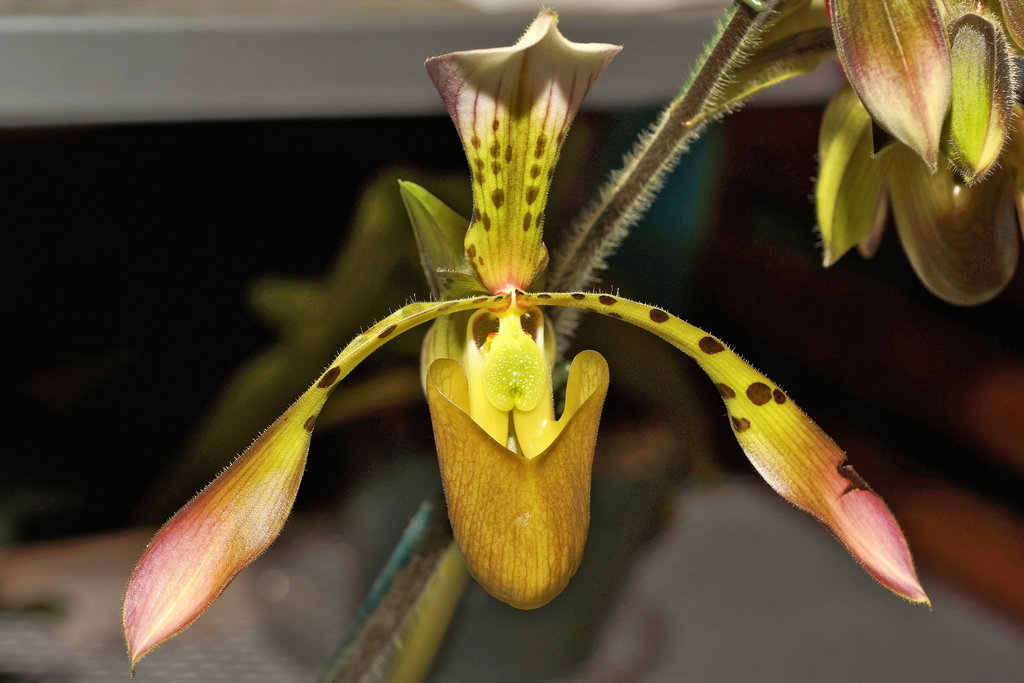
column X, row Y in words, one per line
column 456, row 285
column 439, row 232
column 287, row 303
column 313, row 316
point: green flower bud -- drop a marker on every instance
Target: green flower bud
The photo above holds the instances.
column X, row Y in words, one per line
column 982, row 104
column 850, row 195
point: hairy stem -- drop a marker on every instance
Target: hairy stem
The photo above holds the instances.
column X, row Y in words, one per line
column 630, row 190
column 402, row 621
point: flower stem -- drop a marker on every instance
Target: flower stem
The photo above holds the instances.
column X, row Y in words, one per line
column 402, row 622
column 630, row 190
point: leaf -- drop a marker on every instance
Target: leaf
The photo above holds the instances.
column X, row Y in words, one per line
column 313, row 317
column 439, row 232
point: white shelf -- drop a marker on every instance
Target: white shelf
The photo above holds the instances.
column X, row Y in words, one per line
column 70, row 62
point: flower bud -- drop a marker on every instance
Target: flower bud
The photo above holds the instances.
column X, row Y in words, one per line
column 197, row 553
column 1013, row 21
column 983, row 87
column 895, row 55
column 850, row 195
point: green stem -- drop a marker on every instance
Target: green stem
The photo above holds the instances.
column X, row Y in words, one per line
column 630, row 190
column 401, row 623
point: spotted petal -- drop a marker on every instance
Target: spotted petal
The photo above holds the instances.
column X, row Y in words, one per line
column 512, row 107
column 520, row 522
column 197, row 553
column 793, row 455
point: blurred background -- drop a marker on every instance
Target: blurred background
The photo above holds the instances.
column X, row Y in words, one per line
column 195, row 197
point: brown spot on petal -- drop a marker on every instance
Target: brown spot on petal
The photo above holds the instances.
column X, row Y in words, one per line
column 531, row 195
column 710, row 345
column 386, row 332
column 740, row 424
column 479, row 178
column 498, row 197
column 495, row 167
column 658, row 315
column 475, row 141
column 542, row 142
column 487, row 221
column 471, row 251
column 606, row 300
column 759, row 393
column 527, row 219
column 615, row 315
column 479, row 163
column 495, row 125
column 725, row 390
column 779, row 397
column 534, row 171
column 329, row 378
column 846, row 471
column 543, row 296
column 308, row 424
column 508, row 153
column 578, row 296
column 495, row 149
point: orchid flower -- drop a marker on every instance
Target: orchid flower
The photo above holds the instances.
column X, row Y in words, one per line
column 939, row 78
column 516, row 476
